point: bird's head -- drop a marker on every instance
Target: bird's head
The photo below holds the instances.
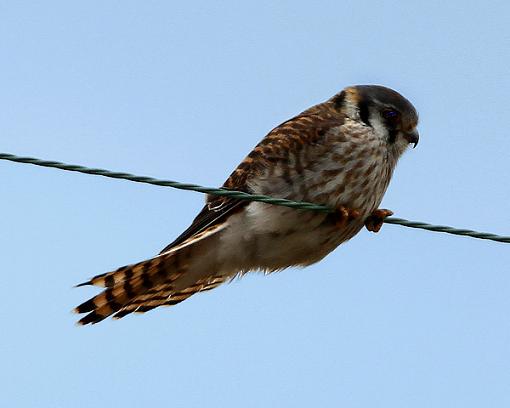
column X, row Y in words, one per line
column 389, row 114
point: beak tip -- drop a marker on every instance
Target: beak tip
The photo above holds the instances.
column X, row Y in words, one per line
column 413, row 138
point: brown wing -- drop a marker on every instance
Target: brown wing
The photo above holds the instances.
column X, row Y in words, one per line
column 213, row 213
column 308, row 127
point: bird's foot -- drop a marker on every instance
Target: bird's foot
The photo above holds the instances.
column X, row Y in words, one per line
column 375, row 220
column 343, row 215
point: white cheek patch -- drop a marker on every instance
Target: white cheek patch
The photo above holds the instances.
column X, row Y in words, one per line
column 379, row 127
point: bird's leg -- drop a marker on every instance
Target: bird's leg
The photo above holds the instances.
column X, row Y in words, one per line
column 343, row 215
column 375, row 220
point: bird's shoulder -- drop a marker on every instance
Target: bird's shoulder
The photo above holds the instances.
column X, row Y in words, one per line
column 310, row 128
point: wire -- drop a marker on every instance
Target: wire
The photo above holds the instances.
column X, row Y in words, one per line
column 167, row 183
column 446, row 229
column 242, row 195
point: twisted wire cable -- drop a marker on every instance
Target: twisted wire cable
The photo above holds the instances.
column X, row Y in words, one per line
column 242, row 195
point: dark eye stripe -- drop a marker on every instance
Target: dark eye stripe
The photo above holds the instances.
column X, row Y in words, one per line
column 363, row 113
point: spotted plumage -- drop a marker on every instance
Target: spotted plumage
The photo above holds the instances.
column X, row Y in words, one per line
column 340, row 153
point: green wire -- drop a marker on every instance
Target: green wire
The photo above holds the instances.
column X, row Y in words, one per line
column 242, row 196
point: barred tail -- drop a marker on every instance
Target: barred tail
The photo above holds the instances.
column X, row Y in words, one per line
column 166, row 279
column 166, row 296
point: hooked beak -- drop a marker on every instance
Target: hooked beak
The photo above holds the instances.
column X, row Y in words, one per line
column 412, row 137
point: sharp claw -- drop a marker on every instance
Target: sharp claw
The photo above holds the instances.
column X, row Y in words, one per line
column 343, row 215
column 375, row 220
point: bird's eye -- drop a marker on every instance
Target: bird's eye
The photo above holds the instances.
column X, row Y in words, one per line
column 391, row 115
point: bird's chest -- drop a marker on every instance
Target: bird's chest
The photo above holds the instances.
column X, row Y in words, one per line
column 353, row 174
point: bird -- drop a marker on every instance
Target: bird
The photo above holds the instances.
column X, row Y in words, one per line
column 340, row 153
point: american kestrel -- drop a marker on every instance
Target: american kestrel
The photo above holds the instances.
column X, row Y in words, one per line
column 340, row 153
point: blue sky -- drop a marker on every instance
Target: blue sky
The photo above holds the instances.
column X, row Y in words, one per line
column 184, row 91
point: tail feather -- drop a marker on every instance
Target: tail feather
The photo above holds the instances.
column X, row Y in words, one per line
column 138, row 279
column 165, row 295
column 130, row 273
column 108, row 279
column 165, row 279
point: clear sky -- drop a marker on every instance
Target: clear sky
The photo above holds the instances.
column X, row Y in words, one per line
column 184, row 90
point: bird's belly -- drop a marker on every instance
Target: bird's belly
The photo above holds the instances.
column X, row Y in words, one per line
column 301, row 246
column 272, row 238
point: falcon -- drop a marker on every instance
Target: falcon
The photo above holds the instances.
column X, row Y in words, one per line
column 340, row 153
